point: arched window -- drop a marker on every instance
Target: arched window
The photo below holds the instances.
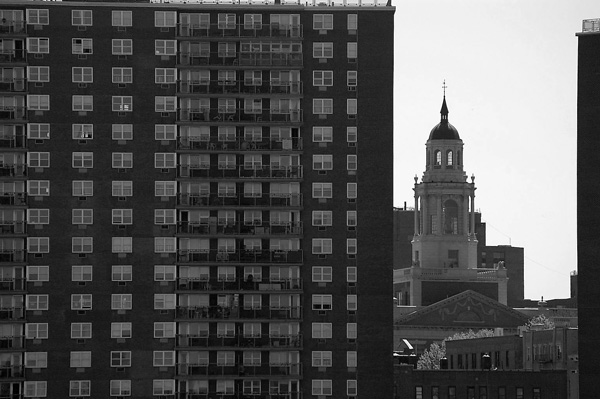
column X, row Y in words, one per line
column 449, row 156
column 450, row 217
column 438, row 158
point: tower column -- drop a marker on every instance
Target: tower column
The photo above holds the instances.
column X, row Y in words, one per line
column 465, row 216
column 440, row 216
column 416, row 216
column 473, row 214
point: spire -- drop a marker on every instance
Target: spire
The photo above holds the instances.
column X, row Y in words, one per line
column 444, row 110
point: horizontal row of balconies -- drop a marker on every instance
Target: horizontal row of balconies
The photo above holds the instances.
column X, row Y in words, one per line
column 238, row 284
column 208, row 394
column 236, row 115
column 236, row 199
column 266, row 370
column 258, row 59
column 237, row 144
column 220, row 313
column 219, row 340
column 248, row 171
column 238, row 228
column 239, row 256
column 240, row 30
column 241, row 87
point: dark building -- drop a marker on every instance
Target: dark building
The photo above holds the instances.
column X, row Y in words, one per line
column 588, row 217
column 193, row 199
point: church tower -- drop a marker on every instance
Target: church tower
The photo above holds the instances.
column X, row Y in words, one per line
column 444, row 235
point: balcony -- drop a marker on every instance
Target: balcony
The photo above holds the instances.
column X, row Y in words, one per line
column 260, row 59
column 12, row 84
column 240, row 30
column 12, row 313
column 13, row 198
column 212, row 369
column 224, row 171
column 13, row 170
column 217, row 115
column 12, row 227
column 214, row 340
column 237, row 199
column 239, row 144
column 12, row 342
column 238, row 87
column 12, row 255
column 12, row 56
column 13, row 141
column 239, row 228
column 239, row 256
column 11, row 371
column 448, row 274
column 12, row 27
column 12, row 284
column 218, row 284
column 220, row 313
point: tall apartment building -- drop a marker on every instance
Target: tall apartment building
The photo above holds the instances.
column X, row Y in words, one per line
column 195, row 200
column 588, row 215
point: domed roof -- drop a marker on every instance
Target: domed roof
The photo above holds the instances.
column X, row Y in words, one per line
column 444, row 130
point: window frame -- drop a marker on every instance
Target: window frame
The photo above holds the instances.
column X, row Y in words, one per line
column 85, row 18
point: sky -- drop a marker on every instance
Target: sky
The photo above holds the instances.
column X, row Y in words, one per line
column 510, row 68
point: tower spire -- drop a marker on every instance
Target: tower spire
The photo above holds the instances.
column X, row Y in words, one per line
column 444, row 110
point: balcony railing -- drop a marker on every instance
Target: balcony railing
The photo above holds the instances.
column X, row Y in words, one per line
column 12, row 284
column 241, row 87
column 291, row 369
column 12, row 255
column 240, row 256
column 10, row 27
column 12, row 56
column 220, row 312
column 12, row 84
column 237, row 199
column 9, row 112
column 12, row 313
column 240, row 30
column 12, row 227
column 242, row 59
column 13, row 198
column 239, row 228
column 238, row 115
column 13, row 141
column 216, row 284
column 18, row 170
column 11, row 371
column 262, row 341
column 188, row 143
column 237, row 395
column 236, row 172
column 11, row 342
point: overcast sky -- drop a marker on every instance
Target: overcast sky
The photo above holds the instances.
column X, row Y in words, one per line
column 511, row 71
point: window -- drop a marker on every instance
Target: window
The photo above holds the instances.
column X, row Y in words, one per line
column 120, row 359
column 323, row 21
column 82, row 216
column 120, row 387
column 122, row 245
column 351, row 218
column 352, row 21
column 165, row 132
column 38, row 131
column 83, row 103
column 323, row 162
column 120, row 330
column 120, row 301
column 351, row 162
column 322, row 106
column 163, row 358
column 352, row 49
column 351, row 190
column 352, row 78
column 352, row 106
column 322, row 274
column 81, row 359
column 81, row 273
column 83, row 160
column 35, row 389
column 38, row 74
column 80, row 388
column 165, row 47
column 164, row 301
column 165, row 188
column 322, row 134
column 351, row 134
column 37, row 302
column 122, row 132
column 122, row 46
column 351, row 389
column 322, row 218
column 252, row 21
column 38, row 273
column 351, row 302
column 122, row 188
column 38, row 245
column 165, row 103
column 164, row 273
column 122, row 273
column 351, row 330
column 38, row 187
column 519, row 393
column 122, row 216
column 82, row 46
column 36, row 330
column 165, row 244
column 38, row 216
column 122, row 160
column 165, row 19
column 82, row 131
column 351, row 359
column 81, row 17
column 321, row 358
column 351, row 246
column 38, row 17
column 321, row 387
column 322, row 78
column 164, row 160
column 81, row 301
column 163, row 387
column 322, row 190
column 226, row 21
column 165, row 75
column 38, row 102
column 81, row 330
column 38, row 45
column 122, row 103
column 164, row 216
column 323, row 50
column 83, row 188
column 121, row 18
column 164, row 330
column 321, row 330
column 122, row 75
column 251, row 78
column 321, row 302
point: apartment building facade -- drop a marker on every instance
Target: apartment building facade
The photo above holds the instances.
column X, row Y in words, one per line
column 195, row 200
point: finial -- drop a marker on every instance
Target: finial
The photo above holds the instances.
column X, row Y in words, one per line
column 444, row 87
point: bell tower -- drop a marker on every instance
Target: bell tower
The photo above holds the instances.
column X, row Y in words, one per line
column 444, row 233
